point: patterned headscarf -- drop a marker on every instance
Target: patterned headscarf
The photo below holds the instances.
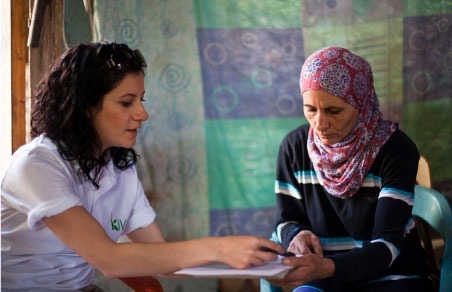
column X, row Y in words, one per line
column 342, row 167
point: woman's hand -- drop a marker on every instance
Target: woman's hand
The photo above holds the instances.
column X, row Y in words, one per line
column 305, row 243
column 241, row 252
column 306, row 268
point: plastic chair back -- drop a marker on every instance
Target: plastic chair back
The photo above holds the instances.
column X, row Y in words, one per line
column 433, row 208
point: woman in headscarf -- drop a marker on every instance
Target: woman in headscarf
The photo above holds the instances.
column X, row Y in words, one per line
column 345, row 184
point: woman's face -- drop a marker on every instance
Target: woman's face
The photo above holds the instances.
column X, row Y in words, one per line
column 330, row 117
column 121, row 113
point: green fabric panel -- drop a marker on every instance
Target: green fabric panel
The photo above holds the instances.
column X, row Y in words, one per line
column 346, row 12
column 428, row 124
column 242, row 160
column 171, row 142
column 247, row 13
column 423, row 7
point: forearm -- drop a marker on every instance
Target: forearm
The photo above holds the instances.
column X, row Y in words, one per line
column 82, row 233
column 361, row 263
column 239, row 252
column 86, row 237
column 142, row 259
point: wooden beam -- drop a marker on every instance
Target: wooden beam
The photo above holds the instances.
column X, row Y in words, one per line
column 28, row 66
column 19, row 19
column 50, row 43
column 36, row 23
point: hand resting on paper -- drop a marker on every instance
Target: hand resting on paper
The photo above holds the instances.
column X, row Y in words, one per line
column 237, row 252
column 305, row 268
column 241, row 252
column 269, row 270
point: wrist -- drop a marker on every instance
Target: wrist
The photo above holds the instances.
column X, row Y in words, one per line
column 329, row 268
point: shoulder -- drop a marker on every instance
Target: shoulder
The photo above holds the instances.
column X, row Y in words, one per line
column 397, row 162
column 297, row 135
column 399, row 143
column 38, row 156
column 39, row 149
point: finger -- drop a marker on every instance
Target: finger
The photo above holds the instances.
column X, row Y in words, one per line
column 317, row 247
column 294, row 248
column 293, row 283
column 300, row 249
column 277, row 247
column 271, row 246
column 257, row 262
column 300, row 245
column 267, row 255
column 293, row 261
column 306, row 250
column 284, row 283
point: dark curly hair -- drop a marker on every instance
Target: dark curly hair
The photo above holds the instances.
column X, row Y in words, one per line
column 75, row 85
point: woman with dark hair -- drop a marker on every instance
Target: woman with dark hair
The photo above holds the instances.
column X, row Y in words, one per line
column 69, row 194
column 344, row 186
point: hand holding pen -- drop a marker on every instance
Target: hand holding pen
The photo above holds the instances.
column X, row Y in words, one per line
column 284, row 254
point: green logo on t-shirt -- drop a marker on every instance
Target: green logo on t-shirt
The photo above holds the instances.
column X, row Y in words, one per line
column 117, row 224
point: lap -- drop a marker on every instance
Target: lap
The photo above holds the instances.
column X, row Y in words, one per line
column 402, row 285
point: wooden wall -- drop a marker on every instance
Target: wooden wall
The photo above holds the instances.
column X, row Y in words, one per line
column 31, row 56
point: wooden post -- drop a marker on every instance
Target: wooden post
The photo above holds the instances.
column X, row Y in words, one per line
column 30, row 64
column 50, row 42
column 19, row 16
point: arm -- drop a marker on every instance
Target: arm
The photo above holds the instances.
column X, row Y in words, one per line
column 150, row 233
column 392, row 225
column 293, row 225
column 81, row 232
column 293, row 170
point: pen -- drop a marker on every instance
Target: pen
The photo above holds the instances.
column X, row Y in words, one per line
column 284, row 254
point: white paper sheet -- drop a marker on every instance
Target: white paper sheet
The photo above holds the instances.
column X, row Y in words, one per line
column 270, row 270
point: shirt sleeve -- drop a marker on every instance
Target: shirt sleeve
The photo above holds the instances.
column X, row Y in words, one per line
column 393, row 220
column 142, row 213
column 291, row 210
column 39, row 184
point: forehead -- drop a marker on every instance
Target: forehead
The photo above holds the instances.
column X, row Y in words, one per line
column 322, row 98
column 132, row 83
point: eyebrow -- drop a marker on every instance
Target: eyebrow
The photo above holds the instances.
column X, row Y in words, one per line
column 326, row 108
column 131, row 95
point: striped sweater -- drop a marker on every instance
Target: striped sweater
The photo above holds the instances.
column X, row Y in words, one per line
column 369, row 236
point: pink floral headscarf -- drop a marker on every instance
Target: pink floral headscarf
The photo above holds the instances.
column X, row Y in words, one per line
column 342, row 167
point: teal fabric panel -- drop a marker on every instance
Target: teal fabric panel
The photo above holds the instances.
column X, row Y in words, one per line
column 247, row 14
column 242, row 160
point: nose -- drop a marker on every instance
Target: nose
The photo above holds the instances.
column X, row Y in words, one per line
column 140, row 114
column 322, row 122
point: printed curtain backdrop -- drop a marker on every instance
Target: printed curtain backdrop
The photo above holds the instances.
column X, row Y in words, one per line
column 222, row 91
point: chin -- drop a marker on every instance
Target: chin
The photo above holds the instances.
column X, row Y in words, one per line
column 125, row 145
column 329, row 142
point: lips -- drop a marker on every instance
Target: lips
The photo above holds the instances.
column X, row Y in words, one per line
column 133, row 129
column 327, row 136
column 133, row 132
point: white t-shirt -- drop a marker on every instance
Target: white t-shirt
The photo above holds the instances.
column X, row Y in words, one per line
column 40, row 183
